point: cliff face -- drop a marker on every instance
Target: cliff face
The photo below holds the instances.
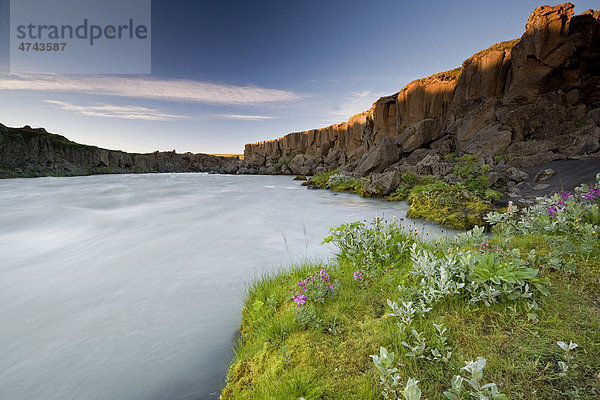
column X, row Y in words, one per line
column 537, row 97
column 26, row 152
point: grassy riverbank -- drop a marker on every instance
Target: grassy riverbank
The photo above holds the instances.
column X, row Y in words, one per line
column 310, row 332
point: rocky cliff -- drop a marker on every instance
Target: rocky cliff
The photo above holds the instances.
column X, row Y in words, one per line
column 536, row 99
column 27, row 152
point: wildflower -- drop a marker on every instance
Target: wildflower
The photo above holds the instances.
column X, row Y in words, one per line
column 300, row 299
column 357, row 275
column 566, row 195
column 485, row 244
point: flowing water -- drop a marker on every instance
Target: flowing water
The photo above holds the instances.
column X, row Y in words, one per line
column 130, row 287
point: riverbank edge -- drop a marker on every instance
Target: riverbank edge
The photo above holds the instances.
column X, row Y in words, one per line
column 325, row 353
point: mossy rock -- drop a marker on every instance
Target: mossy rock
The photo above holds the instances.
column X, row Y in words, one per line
column 463, row 212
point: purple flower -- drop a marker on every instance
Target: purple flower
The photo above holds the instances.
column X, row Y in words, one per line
column 485, row 244
column 357, row 275
column 330, row 286
column 324, row 275
column 299, row 299
column 591, row 195
column 566, row 195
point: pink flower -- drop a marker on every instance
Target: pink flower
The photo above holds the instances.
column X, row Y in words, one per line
column 300, row 299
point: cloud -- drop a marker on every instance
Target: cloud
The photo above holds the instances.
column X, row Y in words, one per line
column 245, row 117
column 351, row 104
column 355, row 103
column 112, row 111
column 149, row 88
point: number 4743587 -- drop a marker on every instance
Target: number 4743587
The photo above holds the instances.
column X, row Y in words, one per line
column 49, row 46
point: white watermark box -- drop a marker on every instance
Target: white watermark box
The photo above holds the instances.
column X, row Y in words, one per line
column 80, row 36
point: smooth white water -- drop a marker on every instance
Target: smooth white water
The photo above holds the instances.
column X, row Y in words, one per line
column 130, row 287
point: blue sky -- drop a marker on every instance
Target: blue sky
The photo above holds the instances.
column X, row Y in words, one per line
column 226, row 73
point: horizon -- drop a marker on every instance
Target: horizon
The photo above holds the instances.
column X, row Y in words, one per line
column 258, row 72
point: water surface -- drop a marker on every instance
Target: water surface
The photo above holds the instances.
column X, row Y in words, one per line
column 129, row 287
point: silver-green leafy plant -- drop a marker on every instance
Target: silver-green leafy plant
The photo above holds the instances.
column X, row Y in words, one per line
column 488, row 278
column 418, row 348
column 476, row 389
column 471, row 237
column 388, row 374
column 442, row 351
column 411, row 391
column 439, row 352
column 567, row 365
column 406, row 313
column 371, row 246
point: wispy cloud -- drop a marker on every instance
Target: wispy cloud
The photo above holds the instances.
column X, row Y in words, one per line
column 149, row 88
column 352, row 104
column 355, row 103
column 112, row 111
column 245, row 117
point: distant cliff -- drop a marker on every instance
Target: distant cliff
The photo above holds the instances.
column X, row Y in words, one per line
column 536, row 98
column 27, row 152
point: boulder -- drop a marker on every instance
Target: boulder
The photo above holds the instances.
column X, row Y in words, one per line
column 443, row 145
column 426, row 165
column 543, row 175
column 418, row 155
column 516, row 175
column 381, row 184
column 379, row 158
column 531, row 147
column 489, row 141
column 536, row 159
column 582, row 141
column 296, row 164
column 418, row 135
column 593, row 117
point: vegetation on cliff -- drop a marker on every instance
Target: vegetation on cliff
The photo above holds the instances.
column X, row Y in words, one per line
column 398, row 316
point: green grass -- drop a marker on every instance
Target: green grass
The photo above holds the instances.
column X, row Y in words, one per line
column 320, row 180
column 278, row 358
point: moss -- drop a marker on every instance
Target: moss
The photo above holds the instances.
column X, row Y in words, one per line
column 409, row 181
column 447, row 205
column 351, row 185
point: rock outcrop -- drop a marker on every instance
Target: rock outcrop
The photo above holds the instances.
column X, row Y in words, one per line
column 27, row 152
column 537, row 97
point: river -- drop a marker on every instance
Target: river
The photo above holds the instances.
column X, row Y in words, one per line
column 130, row 287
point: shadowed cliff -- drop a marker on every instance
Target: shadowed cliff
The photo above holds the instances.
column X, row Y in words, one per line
column 27, row 152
